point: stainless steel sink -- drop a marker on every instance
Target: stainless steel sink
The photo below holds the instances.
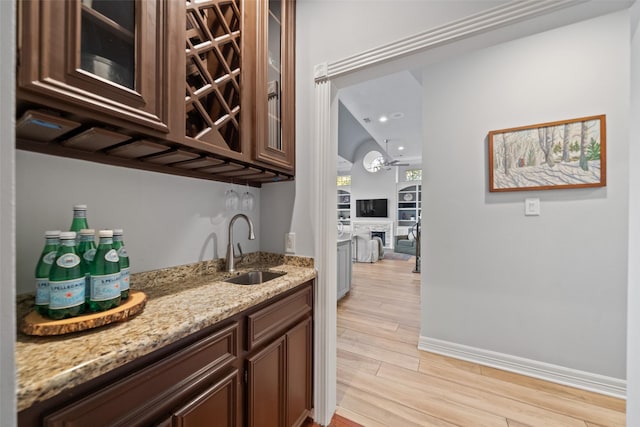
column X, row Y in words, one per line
column 255, row 277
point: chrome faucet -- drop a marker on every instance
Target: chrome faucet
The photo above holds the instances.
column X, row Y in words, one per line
column 230, row 251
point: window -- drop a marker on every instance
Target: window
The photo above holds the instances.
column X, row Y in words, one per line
column 373, row 161
column 344, row 180
column 413, row 175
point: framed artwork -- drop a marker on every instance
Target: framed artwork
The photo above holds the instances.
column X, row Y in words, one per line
column 548, row 156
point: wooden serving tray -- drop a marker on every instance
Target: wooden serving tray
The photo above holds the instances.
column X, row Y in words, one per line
column 36, row 324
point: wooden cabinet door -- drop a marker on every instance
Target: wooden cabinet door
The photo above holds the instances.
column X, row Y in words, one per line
column 299, row 372
column 216, row 406
column 100, row 59
column 275, row 77
column 266, row 386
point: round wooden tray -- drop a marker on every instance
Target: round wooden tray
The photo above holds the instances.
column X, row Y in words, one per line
column 36, row 324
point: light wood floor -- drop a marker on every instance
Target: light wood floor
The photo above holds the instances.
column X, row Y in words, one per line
column 384, row 380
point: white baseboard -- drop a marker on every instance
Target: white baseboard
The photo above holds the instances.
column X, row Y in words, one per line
column 558, row 374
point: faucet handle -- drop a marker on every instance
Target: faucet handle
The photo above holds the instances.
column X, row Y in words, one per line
column 240, row 250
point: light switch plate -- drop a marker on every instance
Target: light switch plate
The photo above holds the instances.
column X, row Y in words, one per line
column 531, row 207
column 290, row 243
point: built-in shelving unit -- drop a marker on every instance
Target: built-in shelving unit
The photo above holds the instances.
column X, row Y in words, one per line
column 344, row 207
column 409, row 204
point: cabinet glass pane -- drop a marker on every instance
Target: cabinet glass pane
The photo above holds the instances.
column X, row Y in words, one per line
column 107, row 45
column 274, row 76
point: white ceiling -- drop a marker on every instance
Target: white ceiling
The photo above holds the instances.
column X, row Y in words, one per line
column 396, row 96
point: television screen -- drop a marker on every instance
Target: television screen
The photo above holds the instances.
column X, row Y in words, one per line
column 372, row 208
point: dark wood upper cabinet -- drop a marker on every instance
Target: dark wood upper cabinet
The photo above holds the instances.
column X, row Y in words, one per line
column 195, row 88
column 101, row 59
column 275, row 77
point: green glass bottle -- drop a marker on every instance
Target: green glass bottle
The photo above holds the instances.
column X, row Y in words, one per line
column 66, row 280
column 79, row 218
column 86, row 252
column 118, row 245
column 43, row 268
column 105, row 275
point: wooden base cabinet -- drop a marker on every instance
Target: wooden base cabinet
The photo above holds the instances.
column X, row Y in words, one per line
column 279, row 375
column 279, row 380
column 207, row 379
column 190, row 384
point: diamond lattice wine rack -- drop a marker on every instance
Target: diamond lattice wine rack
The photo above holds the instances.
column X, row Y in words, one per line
column 213, row 73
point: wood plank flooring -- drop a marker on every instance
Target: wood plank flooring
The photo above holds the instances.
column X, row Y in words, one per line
column 384, row 380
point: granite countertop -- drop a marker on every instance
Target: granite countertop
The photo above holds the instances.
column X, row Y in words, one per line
column 180, row 301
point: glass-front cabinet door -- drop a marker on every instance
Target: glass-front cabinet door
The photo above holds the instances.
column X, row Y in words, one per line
column 107, row 40
column 275, row 76
column 108, row 58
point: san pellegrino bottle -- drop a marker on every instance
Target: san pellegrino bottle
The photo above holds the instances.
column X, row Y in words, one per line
column 105, row 275
column 66, row 280
column 118, row 245
column 79, row 218
column 86, row 252
column 48, row 256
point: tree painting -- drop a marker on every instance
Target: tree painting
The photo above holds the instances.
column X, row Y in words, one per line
column 564, row 154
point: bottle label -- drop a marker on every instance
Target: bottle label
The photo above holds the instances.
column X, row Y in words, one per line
column 105, row 287
column 124, row 280
column 89, row 255
column 49, row 257
column 112, row 256
column 68, row 260
column 122, row 252
column 66, row 294
column 42, row 291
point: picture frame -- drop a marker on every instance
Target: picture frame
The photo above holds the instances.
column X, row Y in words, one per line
column 549, row 156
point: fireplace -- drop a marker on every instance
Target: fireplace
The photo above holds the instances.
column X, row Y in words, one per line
column 380, row 234
column 377, row 228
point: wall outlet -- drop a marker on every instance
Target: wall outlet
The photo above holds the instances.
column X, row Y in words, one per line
column 290, row 243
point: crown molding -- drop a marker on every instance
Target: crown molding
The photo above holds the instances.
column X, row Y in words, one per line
column 471, row 26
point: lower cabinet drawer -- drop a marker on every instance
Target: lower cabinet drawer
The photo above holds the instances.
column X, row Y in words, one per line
column 154, row 392
column 271, row 321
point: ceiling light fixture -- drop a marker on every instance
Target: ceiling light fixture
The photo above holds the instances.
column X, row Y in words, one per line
column 383, row 119
column 401, row 148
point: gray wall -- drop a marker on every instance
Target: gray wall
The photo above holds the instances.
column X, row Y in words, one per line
column 633, row 322
column 7, row 255
column 350, row 34
column 550, row 288
column 167, row 220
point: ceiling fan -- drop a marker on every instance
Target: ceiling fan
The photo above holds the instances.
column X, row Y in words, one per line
column 388, row 160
